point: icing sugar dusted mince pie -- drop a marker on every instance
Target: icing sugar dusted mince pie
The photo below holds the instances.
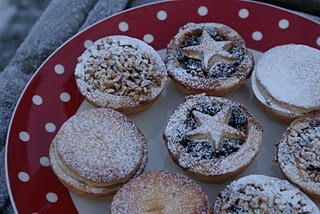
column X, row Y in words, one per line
column 212, row 138
column 263, row 194
column 208, row 58
column 298, row 154
column 96, row 151
column 286, row 81
column 122, row 73
column 161, row 192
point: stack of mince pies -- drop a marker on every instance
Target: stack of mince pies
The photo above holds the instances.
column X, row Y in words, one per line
column 100, row 153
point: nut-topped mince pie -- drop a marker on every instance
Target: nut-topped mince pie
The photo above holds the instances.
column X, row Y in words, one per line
column 122, row 73
column 212, row 138
column 298, row 154
column 263, row 194
column 208, row 57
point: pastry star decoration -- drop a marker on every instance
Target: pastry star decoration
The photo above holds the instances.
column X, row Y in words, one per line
column 209, row 51
column 214, row 128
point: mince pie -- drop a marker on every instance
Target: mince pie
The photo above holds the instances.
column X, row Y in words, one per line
column 208, row 58
column 212, row 138
column 96, row 151
column 161, row 192
column 298, row 154
column 122, row 73
column 286, row 81
column 263, row 194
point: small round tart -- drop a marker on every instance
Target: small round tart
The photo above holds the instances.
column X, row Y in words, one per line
column 212, row 138
column 298, row 153
column 263, row 194
column 286, row 81
column 122, row 73
column 208, row 58
column 161, row 192
column 96, row 151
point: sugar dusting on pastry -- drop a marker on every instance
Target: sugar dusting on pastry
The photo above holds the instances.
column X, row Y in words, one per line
column 291, row 74
column 95, row 147
column 161, row 192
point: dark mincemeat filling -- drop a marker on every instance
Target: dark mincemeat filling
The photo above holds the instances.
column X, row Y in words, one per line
column 219, row 70
column 235, row 209
column 202, row 148
column 304, row 143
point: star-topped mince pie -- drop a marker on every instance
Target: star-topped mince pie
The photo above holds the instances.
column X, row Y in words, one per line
column 298, row 154
column 212, row 138
column 208, row 57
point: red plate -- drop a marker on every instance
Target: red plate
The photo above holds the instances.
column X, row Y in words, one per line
column 51, row 97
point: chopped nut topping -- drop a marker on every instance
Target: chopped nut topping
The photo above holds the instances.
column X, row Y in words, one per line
column 269, row 195
column 304, row 143
column 120, row 69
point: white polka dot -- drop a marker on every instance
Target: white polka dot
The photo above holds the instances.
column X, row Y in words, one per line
column 162, row 15
column 24, row 136
column 243, row 13
column 148, row 38
column 52, row 197
column 23, row 176
column 44, row 161
column 87, row 43
column 123, row 26
column 283, row 24
column 318, row 41
column 65, row 97
column 37, row 100
column 50, row 127
column 202, row 11
column 59, row 69
column 257, row 35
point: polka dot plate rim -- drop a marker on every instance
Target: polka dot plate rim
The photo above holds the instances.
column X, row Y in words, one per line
column 51, row 96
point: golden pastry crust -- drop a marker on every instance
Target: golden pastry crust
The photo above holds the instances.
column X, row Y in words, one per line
column 285, row 81
column 263, row 194
column 208, row 58
column 207, row 135
column 298, row 154
column 161, row 192
column 122, row 73
column 96, row 151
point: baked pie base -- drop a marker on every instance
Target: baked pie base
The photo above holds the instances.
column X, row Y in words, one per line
column 213, row 151
column 298, row 154
column 161, row 192
column 96, row 151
